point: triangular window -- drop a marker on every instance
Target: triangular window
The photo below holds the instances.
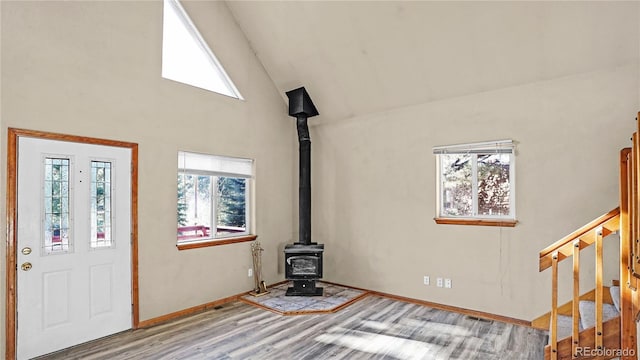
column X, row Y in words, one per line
column 186, row 57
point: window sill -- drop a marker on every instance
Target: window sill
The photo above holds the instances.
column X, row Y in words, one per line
column 477, row 222
column 215, row 242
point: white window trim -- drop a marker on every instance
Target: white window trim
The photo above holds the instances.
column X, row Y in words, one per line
column 498, row 146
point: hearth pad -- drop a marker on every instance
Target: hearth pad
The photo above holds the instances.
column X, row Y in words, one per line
column 335, row 298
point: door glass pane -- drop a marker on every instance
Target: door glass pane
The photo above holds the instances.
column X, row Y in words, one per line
column 56, row 206
column 101, row 205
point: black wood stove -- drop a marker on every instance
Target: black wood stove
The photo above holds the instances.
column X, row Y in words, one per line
column 303, row 259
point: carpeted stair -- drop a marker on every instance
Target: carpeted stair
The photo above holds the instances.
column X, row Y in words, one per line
column 565, row 325
column 588, row 314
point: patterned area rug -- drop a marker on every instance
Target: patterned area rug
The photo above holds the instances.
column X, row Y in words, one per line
column 335, row 297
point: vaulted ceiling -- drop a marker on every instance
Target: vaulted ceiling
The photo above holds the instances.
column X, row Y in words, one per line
column 356, row 58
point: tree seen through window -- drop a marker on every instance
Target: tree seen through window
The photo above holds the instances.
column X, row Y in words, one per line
column 492, row 179
column 201, row 198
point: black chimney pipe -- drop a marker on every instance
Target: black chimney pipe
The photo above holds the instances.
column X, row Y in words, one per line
column 301, row 106
column 303, row 259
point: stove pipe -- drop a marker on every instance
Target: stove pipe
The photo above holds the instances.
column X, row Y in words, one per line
column 301, row 107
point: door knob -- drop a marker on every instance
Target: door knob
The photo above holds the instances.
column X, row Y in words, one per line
column 26, row 250
column 26, row 266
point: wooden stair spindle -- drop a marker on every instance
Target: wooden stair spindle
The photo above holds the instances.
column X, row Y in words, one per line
column 634, row 205
column 634, row 222
column 627, row 323
column 553, row 336
column 575, row 312
column 599, row 292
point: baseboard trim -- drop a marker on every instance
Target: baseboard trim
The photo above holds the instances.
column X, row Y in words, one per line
column 186, row 312
column 194, row 310
column 203, row 307
column 459, row 310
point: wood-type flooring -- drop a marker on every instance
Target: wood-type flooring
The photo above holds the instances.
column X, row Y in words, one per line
column 371, row 328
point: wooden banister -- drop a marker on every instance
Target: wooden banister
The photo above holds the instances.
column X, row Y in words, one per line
column 564, row 246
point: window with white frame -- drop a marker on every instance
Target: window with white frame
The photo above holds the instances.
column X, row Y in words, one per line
column 214, row 199
column 476, row 181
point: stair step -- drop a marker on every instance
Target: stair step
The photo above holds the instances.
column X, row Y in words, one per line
column 565, row 325
column 615, row 296
column 588, row 313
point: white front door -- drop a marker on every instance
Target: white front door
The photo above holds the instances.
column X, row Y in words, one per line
column 74, row 244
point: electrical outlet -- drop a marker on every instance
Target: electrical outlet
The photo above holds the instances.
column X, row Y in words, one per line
column 447, row 283
column 425, row 280
column 250, row 272
column 439, row 282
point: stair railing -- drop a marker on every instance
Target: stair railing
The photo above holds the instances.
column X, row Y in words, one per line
column 626, row 220
column 592, row 233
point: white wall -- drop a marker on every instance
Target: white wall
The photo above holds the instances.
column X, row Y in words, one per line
column 93, row 69
column 374, row 189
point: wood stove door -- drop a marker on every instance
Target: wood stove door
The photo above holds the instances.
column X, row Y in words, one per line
column 308, row 266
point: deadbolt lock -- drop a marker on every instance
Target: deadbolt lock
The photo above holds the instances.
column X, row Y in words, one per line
column 26, row 266
column 26, row 251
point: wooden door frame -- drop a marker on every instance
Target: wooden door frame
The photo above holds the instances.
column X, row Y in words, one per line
column 12, row 217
